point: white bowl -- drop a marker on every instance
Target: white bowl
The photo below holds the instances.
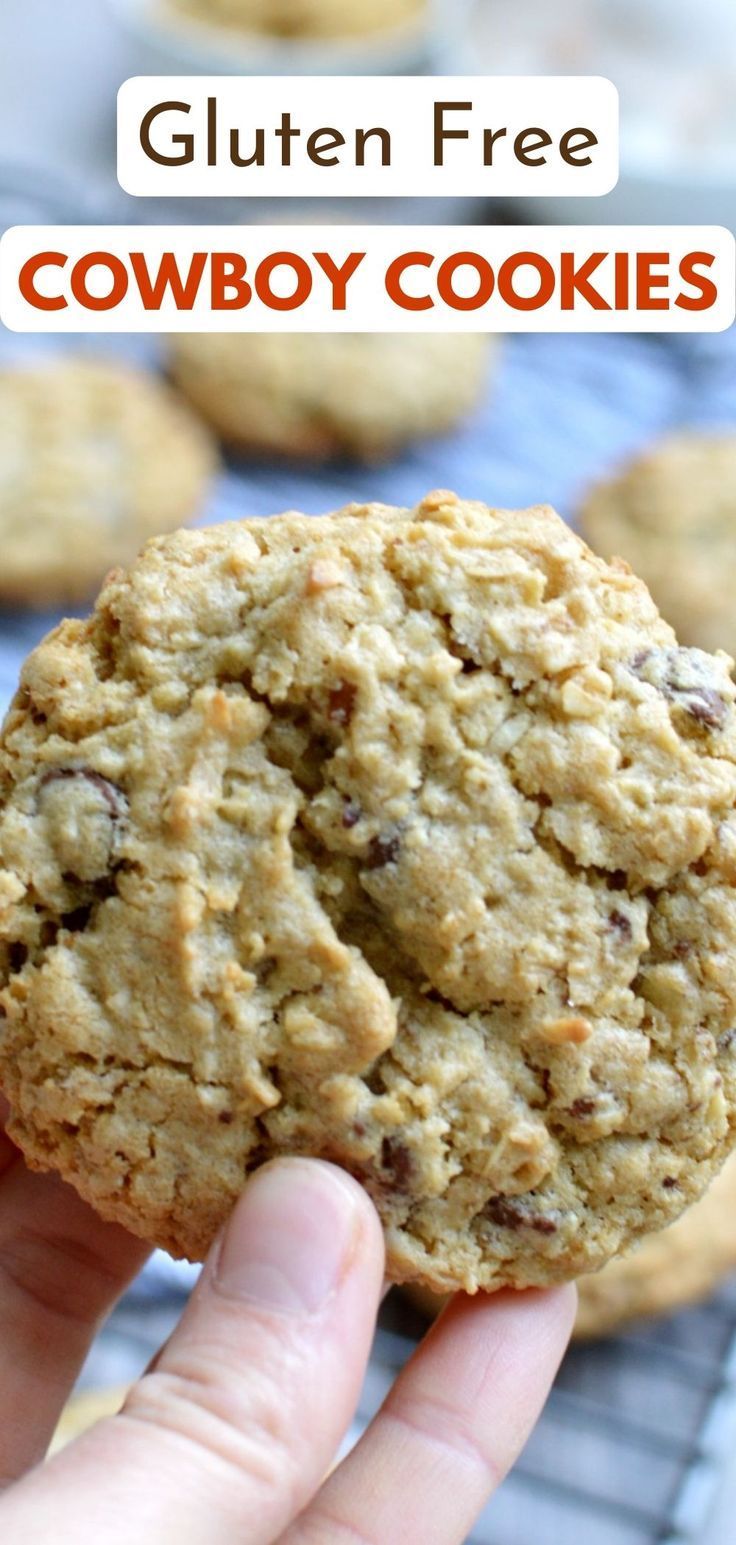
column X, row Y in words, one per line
column 167, row 44
column 672, row 63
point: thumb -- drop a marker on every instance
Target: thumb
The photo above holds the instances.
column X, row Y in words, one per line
column 231, row 1433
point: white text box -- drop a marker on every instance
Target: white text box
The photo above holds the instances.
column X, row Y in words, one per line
column 474, row 136
column 367, row 278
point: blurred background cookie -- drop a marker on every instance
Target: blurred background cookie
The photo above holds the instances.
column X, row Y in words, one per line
column 302, row 18
column 319, row 395
column 94, row 458
column 671, row 513
column 680, row 1265
column 83, row 1411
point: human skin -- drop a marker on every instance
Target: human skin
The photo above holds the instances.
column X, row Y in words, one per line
column 229, row 1435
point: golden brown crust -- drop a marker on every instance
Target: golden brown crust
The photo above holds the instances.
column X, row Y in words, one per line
column 667, row 1271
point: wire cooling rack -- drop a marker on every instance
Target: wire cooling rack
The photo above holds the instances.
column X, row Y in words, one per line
column 630, row 1448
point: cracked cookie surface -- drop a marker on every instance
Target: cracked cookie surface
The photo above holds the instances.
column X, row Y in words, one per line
column 667, row 1270
column 671, row 513
column 95, row 457
column 401, row 837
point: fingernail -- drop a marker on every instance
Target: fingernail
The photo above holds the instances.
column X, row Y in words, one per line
column 291, row 1237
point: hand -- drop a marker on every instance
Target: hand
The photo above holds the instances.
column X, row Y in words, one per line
column 229, row 1436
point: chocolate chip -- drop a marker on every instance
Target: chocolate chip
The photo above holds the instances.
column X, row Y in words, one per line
column 670, row 1182
column 351, row 815
column 341, row 702
column 541, row 1225
column 226, row 1118
column 381, row 1178
column 507, row 1214
column 500, row 1212
column 708, row 708
column 581, row 1108
column 396, row 1162
column 87, row 847
column 383, row 850
column 684, row 677
column 114, row 797
column 682, row 949
column 621, row 923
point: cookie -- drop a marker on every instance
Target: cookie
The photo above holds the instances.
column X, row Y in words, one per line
column 84, row 1411
column 667, row 1271
column 403, row 837
column 324, row 394
column 672, row 514
column 303, row 18
column 94, row 458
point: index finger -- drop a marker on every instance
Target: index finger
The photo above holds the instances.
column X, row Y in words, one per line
column 450, row 1428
